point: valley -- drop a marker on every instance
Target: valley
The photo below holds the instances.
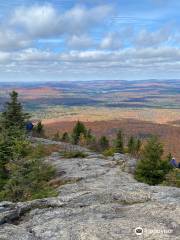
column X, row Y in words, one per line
column 139, row 108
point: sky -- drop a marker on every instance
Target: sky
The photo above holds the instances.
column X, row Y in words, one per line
column 62, row 40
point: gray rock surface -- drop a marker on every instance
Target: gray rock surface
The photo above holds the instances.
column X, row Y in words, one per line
column 127, row 163
column 98, row 202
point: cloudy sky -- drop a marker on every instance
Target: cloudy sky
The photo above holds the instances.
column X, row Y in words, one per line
column 89, row 39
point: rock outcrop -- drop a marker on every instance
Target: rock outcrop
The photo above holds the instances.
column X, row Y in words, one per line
column 98, row 201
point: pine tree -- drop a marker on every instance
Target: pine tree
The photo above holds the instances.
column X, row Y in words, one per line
column 132, row 145
column 103, row 143
column 138, row 146
column 13, row 115
column 119, row 143
column 65, row 137
column 151, row 168
column 78, row 129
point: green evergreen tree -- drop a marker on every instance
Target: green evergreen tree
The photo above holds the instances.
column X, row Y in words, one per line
column 13, row 115
column 5, row 156
column 78, row 129
column 65, row 137
column 151, row 168
column 20, row 178
column 28, row 180
column 13, row 145
column 12, row 131
column 119, row 142
column 39, row 129
column 103, row 143
column 138, row 146
column 132, row 145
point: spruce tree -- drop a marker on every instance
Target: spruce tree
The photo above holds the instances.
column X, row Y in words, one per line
column 132, row 145
column 21, row 178
column 12, row 134
column 119, row 142
column 78, row 129
column 5, row 156
column 65, row 137
column 151, row 168
column 13, row 115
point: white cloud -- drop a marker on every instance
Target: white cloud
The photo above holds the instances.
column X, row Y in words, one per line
column 10, row 40
column 34, row 55
column 45, row 21
column 27, row 25
column 36, row 20
column 4, row 57
column 80, row 42
column 147, row 39
column 133, row 62
column 73, row 44
column 79, row 18
column 111, row 41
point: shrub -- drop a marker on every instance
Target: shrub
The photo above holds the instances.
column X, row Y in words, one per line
column 109, row 152
column 28, row 180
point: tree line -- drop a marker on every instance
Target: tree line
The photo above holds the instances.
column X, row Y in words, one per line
column 82, row 136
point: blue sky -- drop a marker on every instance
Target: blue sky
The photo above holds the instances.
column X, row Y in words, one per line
column 89, row 39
